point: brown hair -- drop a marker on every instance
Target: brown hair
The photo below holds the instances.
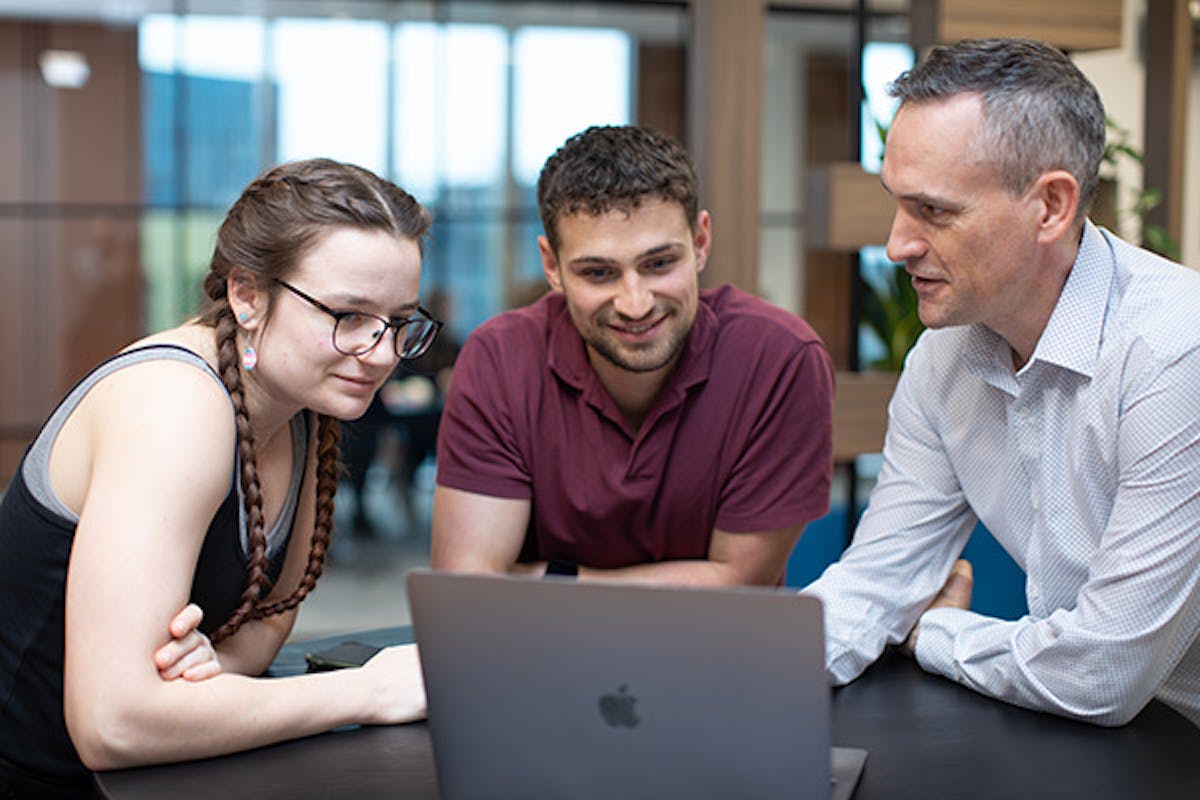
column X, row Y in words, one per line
column 280, row 218
column 614, row 167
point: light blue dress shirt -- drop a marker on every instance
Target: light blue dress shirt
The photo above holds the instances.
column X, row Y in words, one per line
column 1085, row 466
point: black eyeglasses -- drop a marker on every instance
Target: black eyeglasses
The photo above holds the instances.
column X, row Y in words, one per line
column 356, row 333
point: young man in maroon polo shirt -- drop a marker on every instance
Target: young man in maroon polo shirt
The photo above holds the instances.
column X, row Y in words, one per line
column 628, row 425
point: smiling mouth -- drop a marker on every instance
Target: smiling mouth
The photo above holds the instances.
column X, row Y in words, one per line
column 639, row 330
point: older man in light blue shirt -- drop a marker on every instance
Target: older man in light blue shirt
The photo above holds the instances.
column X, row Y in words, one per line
column 1056, row 399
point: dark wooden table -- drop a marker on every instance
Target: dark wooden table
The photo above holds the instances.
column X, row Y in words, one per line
column 928, row 738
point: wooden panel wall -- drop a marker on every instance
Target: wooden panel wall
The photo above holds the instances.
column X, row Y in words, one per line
column 860, row 413
column 725, row 79
column 661, row 93
column 70, row 186
column 828, row 276
column 1067, row 24
column 848, row 207
column 1168, row 72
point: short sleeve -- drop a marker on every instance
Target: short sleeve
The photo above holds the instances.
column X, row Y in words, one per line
column 478, row 445
column 782, row 474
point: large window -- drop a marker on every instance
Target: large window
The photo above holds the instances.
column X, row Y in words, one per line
column 889, row 319
column 460, row 112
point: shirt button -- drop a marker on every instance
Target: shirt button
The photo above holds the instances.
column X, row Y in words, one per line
column 1035, row 592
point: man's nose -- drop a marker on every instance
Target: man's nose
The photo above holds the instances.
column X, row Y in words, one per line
column 903, row 242
column 634, row 299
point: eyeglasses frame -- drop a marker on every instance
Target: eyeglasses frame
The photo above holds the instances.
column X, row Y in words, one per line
column 338, row 316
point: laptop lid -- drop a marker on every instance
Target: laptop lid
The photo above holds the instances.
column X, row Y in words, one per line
column 564, row 689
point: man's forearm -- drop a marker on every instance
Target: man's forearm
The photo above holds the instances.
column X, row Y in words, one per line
column 690, row 572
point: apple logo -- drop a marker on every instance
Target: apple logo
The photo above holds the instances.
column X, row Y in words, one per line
column 617, row 708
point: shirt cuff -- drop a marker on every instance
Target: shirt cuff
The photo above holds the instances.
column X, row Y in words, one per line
column 939, row 628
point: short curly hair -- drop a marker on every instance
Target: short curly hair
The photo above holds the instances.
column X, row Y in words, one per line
column 615, row 167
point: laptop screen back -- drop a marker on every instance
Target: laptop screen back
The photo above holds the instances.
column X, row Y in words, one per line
column 563, row 689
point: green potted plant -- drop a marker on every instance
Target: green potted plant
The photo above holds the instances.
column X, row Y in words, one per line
column 1108, row 209
column 889, row 314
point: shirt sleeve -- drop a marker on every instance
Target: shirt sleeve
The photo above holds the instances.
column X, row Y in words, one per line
column 915, row 526
column 1138, row 611
column 782, row 475
column 1133, row 618
column 478, row 448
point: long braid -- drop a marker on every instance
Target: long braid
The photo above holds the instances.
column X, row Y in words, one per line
column 257, row 580
column 328, row 467
column 280, row 217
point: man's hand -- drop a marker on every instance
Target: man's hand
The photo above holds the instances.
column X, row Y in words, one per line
column 189, row 654
column 955, row 593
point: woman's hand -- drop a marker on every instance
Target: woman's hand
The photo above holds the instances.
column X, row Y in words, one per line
column 398, row 688
column 189, row 654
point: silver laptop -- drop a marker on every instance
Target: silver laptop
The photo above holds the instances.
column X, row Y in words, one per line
column 563, row 689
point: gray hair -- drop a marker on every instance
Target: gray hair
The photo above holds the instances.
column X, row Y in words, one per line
column 1040, row 112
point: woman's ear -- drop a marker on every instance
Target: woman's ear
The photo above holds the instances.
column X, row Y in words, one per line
column 246, row 298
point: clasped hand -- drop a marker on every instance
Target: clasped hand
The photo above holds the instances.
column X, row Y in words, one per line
column 955, row 593
column 189, row 654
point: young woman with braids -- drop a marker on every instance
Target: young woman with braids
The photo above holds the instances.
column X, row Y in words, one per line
column 196, row 470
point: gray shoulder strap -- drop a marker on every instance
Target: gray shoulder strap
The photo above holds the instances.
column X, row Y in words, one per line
column 36, row 470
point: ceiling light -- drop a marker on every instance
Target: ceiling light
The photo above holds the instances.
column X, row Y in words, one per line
column 64, row 69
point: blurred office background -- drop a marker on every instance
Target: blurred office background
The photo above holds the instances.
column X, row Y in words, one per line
column 127, row 127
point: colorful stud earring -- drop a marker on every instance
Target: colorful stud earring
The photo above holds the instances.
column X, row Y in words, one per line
column 242, row 317
column 249, row 358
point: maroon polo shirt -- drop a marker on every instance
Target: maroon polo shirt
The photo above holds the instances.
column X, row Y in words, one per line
column 739, row 439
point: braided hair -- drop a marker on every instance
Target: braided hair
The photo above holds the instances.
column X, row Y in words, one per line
column 279, row 218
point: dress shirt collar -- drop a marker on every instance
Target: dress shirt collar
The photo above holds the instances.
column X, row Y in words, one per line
column 1073, row 334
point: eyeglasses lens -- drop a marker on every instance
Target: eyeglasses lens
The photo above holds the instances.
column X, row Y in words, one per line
column 418, row 335
column 355, row 334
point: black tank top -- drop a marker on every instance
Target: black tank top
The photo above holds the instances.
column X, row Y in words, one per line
column 35, row 545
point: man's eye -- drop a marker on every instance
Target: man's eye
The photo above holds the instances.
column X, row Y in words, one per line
column 660, row 264
column 596, row 275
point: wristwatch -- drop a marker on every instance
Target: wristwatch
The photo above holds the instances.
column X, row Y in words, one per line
column 566, row 569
